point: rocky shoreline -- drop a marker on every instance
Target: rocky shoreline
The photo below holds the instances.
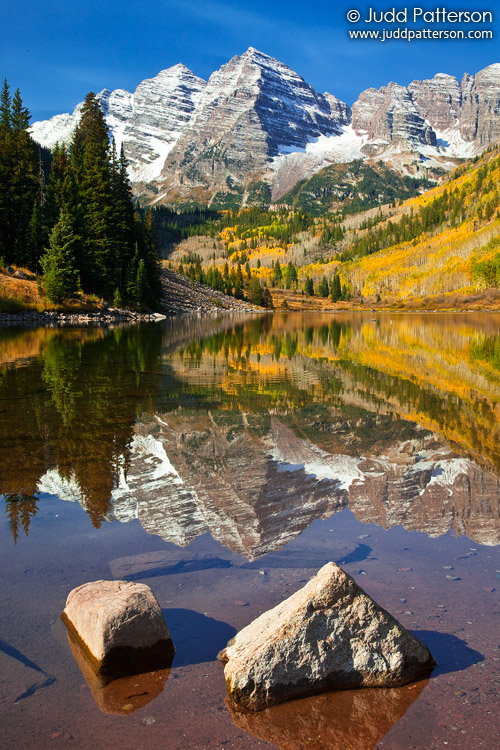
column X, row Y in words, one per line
column 53, row 319
column 179, row 297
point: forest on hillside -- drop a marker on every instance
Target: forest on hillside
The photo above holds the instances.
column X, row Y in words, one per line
column 441, row 241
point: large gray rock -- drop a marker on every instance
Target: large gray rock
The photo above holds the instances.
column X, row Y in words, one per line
column 328, row 635
column 119, row 626
column 389, row 114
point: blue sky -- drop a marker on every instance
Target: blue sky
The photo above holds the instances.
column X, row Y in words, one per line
column 56, row 51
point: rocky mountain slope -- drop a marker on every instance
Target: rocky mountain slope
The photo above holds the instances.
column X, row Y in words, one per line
column 253, row 109
column 257, row 120
column 147, row 122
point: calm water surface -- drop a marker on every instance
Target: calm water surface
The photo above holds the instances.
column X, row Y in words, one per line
column 222, row 462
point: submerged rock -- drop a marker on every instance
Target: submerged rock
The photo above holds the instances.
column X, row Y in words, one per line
column 328, row 635
column 119, row 626
column 122, row 696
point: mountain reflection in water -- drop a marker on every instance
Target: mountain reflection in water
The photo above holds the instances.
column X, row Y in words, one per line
column 252, row 430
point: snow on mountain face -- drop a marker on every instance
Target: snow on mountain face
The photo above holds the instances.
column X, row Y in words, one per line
column 258, row 119
column 162, row 106
column 466, row 116
column 147, row 122
column 252, row 109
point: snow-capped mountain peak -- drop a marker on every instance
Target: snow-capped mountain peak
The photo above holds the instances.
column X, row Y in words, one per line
column 256, row 119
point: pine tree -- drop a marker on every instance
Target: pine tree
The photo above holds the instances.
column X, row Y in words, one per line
column 60, row 194
column 19, row 177
column 336, row 290
column 309, row 287
column 122, row 215
column 277, row 274
column 255, row 292
column 266, row 298
column 146, row 242
column 91, row 172
column 34, row 238
column 323, row 289
column 5, row 107
column 291, row 276
column 143, row 292
column 5, row 173
column 60, row 275
column 117, row 299
column 239, row 277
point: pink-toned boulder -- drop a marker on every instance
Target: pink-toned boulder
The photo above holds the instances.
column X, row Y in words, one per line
column 119, row 626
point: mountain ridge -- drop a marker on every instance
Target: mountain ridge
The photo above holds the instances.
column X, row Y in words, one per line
column 258, row 120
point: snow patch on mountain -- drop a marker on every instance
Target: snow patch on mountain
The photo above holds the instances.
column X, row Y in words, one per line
column 451, row 143
column 445, row 472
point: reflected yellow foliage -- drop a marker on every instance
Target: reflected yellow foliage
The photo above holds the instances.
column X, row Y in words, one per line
column 436, row 371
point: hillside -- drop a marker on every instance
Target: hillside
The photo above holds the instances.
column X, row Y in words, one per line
column 22, row 299
column 352, row 188
column 446, row 241
column 440, row 248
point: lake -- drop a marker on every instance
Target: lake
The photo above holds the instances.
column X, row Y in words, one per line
column 222, row 461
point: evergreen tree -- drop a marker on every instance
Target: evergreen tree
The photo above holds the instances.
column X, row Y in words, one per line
column 35, row 237
column 267, row 300
column 142, row 290
column 309, row 287
column 277, row 274
column 59, row 189
column 87, row 197
column 146, row 242
column 255, row 292
column 291, row 276
column 19, row 177
column 117, row 299
column 336, row 290
column 323, row 289
column 91, row 172
column 239, row 278
column 122, row 216
column 5, row 108
column 60, row 275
